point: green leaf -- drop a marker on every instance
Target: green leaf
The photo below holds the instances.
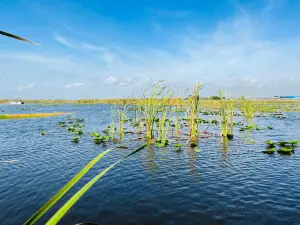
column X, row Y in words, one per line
column 66, row 207
column 16, row 37
column 197, row 149
column 65, row 189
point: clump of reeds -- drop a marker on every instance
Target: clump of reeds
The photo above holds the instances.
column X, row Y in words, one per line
column 156, row 102
column 230, row 113
column 192, row 112
column 248, row 108
column 223, row 116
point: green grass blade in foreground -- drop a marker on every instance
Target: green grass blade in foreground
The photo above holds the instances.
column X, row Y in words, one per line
column 65, row 189
column 16, row 37
column 66, row 207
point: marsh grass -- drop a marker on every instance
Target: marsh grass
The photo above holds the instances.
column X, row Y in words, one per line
column 155, row 103
column 121, row 113
column 155, row 112
column 248, row 108
column 223, row 116
column 192, row 112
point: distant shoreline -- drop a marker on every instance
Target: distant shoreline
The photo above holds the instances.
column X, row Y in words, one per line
column 135, row 101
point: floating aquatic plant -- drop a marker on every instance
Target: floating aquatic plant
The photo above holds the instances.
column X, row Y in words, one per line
column 283, row 143
column 178, row 145
column 75, row 139
column 161, row 142
column 197, row 149
column 71, row 129
column 258, row 128
column 79, row 132
column 285, row 151
column 270, row 143
column 100, row 139
column 269, row 151
column 294, row 142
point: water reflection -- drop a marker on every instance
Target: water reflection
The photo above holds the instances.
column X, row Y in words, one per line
column 224, row 150
column 192, row 161
column 150, row 159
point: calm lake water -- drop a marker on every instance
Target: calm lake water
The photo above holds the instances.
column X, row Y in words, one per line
column 233, row 184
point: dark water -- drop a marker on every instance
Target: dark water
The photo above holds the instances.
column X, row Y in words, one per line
column 233, row 184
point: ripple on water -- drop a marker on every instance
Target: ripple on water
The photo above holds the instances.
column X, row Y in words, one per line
column 233, row 184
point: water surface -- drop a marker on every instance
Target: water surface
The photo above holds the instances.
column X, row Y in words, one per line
column 222, row 184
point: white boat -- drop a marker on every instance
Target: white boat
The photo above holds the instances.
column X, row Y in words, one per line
column 12, row 102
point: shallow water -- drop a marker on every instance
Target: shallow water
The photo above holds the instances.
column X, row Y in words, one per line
column 222, row 184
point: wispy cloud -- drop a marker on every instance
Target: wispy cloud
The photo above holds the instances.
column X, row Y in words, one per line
column 273, row 4
column 111, row 80
column 75, row 85
column 239, row 45
column 26, row 87
column 92, row 47
column 64, row 41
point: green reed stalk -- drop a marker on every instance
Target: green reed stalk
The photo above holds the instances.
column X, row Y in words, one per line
column 192, row 111
column 154, row 103
column 248, row 108
column 223, row 116
column 230, row 109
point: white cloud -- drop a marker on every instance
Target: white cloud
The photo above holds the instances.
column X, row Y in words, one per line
column 241, row 45
column 62, row 40
column 122, row 83
column 26, row 87
column 75, row 85
column 111, row 80
column 91, row 47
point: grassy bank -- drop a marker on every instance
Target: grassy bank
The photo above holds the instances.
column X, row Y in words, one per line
column 263, row 105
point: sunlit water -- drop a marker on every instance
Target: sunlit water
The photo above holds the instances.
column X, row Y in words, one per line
column 233, row 184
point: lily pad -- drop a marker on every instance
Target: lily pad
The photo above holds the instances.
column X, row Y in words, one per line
column 285, row 151
column 75, row 139
column 178, row 145
column 269, row 151
column 283, row 143
column 270, row 143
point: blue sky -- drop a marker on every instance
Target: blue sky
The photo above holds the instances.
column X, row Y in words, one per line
column 108, row 49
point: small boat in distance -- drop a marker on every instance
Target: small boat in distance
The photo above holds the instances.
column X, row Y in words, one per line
column 12, row 102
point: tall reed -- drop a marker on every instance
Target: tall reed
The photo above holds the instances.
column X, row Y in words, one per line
column 192, row 112
column 230, row 113
column 159, row 96
column 248, row 108
column 223, row 116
